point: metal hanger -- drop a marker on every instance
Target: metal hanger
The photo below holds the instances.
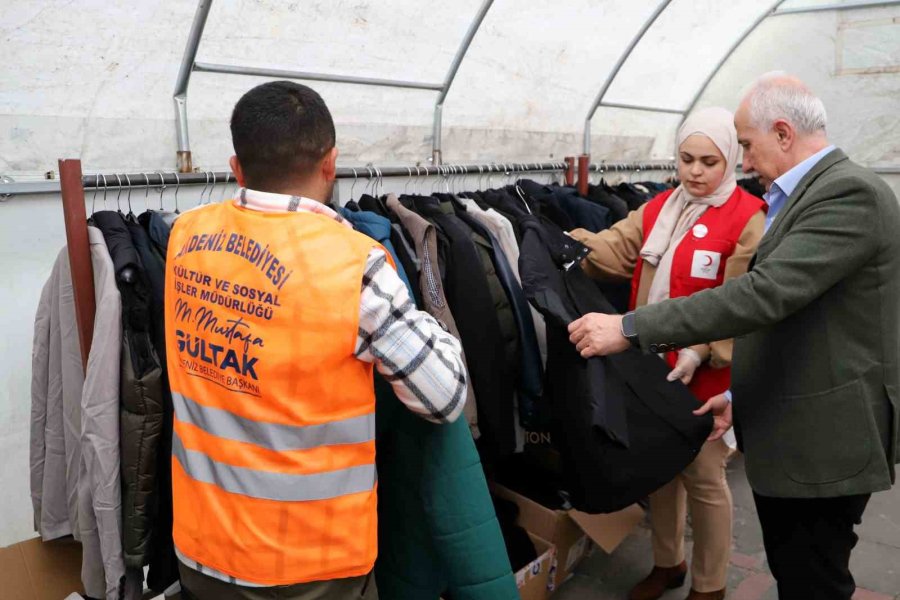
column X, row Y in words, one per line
column 408, row 179
column 521, row 195
column 162, row 189
column 225, row 187
column 119, row 194
column 104, row 193
column 205, row 185
column 369, row 181
column 447, row 178
column 94, row 197
column 353, row 185
column 636, row 171
column 131, row 214
column 212, row 188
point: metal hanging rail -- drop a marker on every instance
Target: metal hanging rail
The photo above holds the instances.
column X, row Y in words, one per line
column 158, row 179
column 603, row 167
column 189, row 65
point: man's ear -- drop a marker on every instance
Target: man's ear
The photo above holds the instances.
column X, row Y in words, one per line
column 238, row 171
column 329, row 165
column 784, row 133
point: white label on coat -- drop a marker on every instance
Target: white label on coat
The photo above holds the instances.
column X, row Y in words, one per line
column 705, row 264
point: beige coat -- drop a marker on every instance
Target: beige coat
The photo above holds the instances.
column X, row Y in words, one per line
column 75, row 482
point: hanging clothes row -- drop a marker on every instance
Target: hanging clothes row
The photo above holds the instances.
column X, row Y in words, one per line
column 111, row 457
column 460, row 254
column 609, row 417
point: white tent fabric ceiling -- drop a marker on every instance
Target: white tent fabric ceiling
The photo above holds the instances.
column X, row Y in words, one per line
column 97, row 81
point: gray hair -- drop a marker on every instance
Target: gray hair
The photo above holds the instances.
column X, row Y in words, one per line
column 777, row 95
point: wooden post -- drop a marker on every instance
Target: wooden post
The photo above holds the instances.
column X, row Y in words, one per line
column 570, row 170
column 584, row 175
column 79, row 252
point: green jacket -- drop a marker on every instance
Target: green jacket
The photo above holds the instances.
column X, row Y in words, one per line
column 437, row 530
column 816, row 323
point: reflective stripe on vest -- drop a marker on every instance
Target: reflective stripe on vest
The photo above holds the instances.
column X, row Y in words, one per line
column 268, row 485
column 273, row 436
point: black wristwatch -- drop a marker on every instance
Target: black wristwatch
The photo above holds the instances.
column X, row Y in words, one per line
column 629, row 331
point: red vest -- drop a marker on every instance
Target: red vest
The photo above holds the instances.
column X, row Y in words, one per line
column 699, row 264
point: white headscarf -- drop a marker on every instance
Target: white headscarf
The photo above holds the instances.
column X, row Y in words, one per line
column 682, row 210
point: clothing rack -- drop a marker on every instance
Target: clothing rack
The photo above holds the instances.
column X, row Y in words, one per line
column 72, row 183
column 585, row 168
column 162, row 179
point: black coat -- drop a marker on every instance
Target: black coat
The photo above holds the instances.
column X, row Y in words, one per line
column 472, row 304
column 141, row 408
column 530, row 372
column 622, row 429
column 162, row 560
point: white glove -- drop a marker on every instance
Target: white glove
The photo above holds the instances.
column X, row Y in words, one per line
column 687, row 363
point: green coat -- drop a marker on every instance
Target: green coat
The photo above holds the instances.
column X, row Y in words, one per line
column 816, row 324
column 437, row 530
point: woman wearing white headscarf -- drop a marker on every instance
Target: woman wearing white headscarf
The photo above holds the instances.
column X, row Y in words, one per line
column 692, row 238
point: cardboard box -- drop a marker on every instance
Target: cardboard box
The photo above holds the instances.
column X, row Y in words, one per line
column 534, row 578
column 36, row 570
column 572, row 532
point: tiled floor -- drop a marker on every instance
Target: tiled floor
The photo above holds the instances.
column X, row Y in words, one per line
column 875, row 562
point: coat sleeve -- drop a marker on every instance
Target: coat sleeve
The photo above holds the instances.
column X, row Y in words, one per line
column 55, row 518
column 830, row 239
column 735, row 266
column 40, row 367
column 100, row 426
column 614, row 251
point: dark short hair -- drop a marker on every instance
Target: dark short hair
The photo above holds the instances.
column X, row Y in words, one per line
column 280, row 131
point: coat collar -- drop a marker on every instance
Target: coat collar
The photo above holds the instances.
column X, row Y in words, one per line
column 829, row 160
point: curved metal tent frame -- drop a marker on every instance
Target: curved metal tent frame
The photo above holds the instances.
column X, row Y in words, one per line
column 622, row 59
column 189, row 65
column 772, row 11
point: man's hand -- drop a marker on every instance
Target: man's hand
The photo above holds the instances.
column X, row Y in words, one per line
column 596, row 334
column 721, row 410
column 687, row 363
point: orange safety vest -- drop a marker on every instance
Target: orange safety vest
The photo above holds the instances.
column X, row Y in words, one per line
column 273, row 466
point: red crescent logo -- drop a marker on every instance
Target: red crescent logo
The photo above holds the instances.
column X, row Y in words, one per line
column 709, row 261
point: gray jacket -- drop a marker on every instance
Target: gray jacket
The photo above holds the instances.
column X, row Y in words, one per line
column 75, row 475
column 425, row 239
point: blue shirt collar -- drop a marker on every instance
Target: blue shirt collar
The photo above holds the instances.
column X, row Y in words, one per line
column 788, row 182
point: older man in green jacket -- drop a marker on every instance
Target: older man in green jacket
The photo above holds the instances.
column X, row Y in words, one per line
column 816, row 322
